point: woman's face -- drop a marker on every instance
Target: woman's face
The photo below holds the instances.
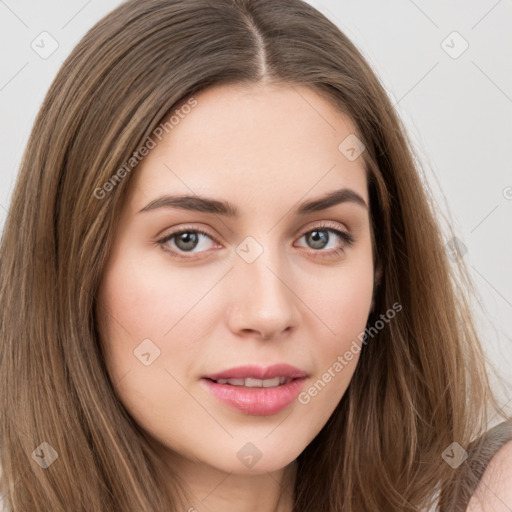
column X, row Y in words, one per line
column 269, row 283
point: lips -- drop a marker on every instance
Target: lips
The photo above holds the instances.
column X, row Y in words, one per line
column 255, row 390
column 250, row 382
column 260, row 373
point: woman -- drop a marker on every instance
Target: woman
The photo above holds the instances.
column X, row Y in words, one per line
column 238, row 296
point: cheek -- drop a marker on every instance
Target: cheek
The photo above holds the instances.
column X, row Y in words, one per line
column 153, row 319
column 340, row 301
column 145, row 300
column 340, row 310
column 139, row 323
column 347, row 305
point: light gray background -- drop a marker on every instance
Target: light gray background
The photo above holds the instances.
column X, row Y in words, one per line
column 457, row 110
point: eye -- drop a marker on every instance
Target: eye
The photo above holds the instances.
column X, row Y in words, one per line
column 325, row 240
column 186, row 241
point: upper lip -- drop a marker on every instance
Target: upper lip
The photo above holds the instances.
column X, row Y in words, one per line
column 259, row 372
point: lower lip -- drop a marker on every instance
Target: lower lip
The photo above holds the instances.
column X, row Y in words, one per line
column 257, row 401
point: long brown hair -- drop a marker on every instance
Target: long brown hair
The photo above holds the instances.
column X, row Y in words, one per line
column 420, row 384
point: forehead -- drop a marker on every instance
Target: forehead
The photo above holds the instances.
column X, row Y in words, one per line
column 254, row 141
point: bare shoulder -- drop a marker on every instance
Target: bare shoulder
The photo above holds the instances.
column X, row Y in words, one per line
column 494, row 492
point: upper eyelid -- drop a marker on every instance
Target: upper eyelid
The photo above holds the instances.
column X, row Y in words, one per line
column 311, row 226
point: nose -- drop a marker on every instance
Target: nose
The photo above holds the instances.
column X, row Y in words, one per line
column 262, row 299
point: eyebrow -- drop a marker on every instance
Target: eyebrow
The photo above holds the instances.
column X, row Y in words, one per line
column 214, row 206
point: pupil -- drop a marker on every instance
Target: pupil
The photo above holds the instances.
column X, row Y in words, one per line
column 319, row 238
column 187, row 241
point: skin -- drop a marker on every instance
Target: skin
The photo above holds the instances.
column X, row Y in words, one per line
column 494, row 493
column 263, row 148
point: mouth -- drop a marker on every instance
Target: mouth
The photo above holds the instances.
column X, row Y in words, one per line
column 256, row 397
column 250, row 382
column 254, row 373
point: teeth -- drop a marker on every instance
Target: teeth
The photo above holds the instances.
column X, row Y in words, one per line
column 249, row 382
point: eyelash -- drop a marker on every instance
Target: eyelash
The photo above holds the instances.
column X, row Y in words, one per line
column 315, row 253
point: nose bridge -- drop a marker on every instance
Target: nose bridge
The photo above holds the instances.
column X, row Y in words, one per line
column 266, row 274
column 263, row 301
